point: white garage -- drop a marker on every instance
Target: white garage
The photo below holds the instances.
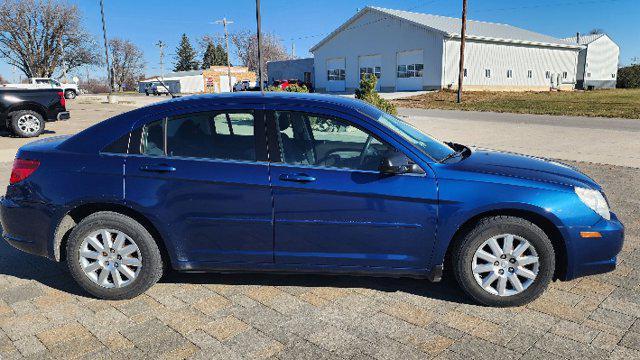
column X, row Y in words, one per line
column 410, row 51
column 409, row 70
column 371, row 65
column 335, row 75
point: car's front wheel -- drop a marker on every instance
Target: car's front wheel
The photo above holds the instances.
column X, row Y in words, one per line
column 113, row 257
column 504, row 261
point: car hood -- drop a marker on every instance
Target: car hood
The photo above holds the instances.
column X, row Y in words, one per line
column 523, row 166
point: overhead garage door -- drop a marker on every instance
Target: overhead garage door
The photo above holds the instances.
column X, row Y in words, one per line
column 409, row 70
column 336, row 75
column 371, row 65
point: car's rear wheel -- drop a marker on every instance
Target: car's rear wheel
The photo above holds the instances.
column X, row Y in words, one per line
column 112, row 256
column 26, row 123
column 504, row 261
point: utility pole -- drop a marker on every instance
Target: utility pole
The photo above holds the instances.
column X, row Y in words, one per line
column 293, row 50
column 160, row 44
column 224, row 23
column 106, row 53
column 463, row 34
column 259, row 46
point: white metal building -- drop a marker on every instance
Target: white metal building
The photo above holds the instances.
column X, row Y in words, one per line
column 412, row 51
column 184, row 82
column 597, row 61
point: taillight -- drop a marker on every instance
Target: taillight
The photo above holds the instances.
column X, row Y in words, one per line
column 63, row 101
column 22, row 169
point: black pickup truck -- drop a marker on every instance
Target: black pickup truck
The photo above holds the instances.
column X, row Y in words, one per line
column 25, row 111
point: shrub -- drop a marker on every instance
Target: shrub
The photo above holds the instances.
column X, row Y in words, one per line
column 367, row 92
column 297, row 88
column 629, row 76
column 274, row 88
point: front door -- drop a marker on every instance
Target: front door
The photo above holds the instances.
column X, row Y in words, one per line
column 333, row 208
column 203, row 176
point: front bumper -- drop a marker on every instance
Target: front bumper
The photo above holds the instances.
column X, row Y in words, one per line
column 588, row 256
column 63, row 115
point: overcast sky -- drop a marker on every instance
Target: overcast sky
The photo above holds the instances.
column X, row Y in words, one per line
column 304, row 23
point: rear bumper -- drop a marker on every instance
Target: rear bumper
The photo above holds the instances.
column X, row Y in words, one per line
column 64, row 115
column 588, row 256
column 26, row 227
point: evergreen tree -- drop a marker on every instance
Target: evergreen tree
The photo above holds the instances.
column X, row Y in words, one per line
column 186, row 56
column 210, row 56
column 221, row 58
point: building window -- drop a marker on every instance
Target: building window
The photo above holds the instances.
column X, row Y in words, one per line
column 335, row 74
column 487, row 73
column 588, row 74
column 613, row 76
column 565, row 75
column 370, row 71
column 547, row 74
column 465, row 72
column 529, row 74
column 509, row 74
column 410, row 71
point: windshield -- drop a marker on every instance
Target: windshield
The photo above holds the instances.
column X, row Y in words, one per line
column 425, row 143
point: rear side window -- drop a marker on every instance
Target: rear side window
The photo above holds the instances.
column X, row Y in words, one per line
column 211, row 135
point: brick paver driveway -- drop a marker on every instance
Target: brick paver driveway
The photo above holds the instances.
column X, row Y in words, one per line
column 43, row 314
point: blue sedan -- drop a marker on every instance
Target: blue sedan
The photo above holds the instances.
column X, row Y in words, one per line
column 297, row 183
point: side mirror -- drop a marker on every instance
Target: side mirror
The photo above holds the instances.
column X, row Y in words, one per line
column 398, row 164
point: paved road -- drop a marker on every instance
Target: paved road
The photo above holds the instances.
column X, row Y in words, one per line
column 598, row 140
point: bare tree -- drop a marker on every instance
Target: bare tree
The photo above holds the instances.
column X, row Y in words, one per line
column 127, row 62
column 246, row 44
column 34, row 34
column 596, row 31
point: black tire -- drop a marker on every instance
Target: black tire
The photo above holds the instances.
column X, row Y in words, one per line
column 464, row 251
column 152, row 265
column 70, row 94
column 19, row 129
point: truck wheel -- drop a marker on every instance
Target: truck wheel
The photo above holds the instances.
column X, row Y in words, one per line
column 70, row 94
column 26, row 123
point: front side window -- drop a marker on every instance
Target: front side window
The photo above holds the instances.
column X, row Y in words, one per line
column 211, row 135
column 309, row 139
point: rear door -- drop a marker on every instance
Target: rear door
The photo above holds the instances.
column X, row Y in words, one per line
column 203, row 175
column 333, row 208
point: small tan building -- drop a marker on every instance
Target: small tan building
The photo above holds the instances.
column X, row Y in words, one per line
column 216, row 78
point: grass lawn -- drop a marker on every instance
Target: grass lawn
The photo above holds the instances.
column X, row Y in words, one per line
column 624, row 103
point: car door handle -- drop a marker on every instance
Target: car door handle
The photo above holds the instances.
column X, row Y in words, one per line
column 301, row 178
column 158, row 168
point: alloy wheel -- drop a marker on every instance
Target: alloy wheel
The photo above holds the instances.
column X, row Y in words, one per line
column 29, row 124
column 110, row 258
column 505, row 265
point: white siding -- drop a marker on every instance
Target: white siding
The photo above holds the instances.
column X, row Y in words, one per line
column 601, row 62
column 500, row 57
column 378, row 34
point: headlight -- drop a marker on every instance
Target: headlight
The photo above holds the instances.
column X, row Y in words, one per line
column 595, row 201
